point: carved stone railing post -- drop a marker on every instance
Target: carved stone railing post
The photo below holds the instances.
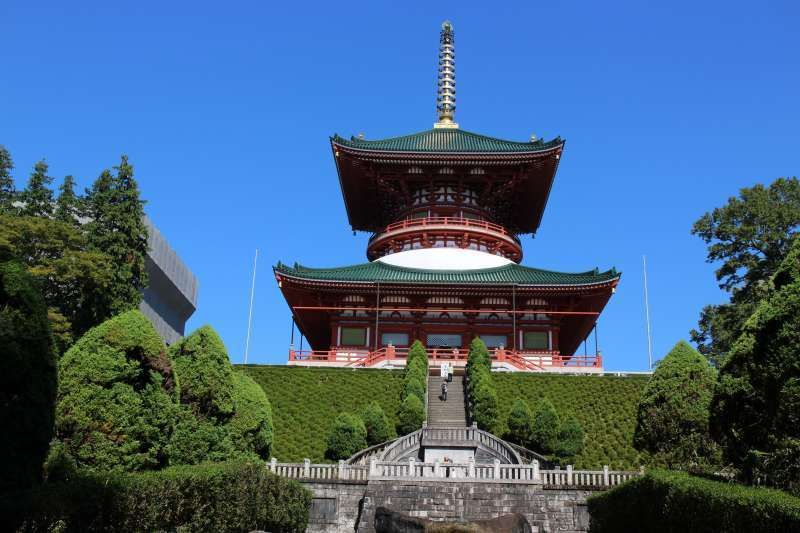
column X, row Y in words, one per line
column 437, row 471
column 373, row 467
column 471, row 464
column 342, row 469
column 411, row 467
column 569, row 474
column 536, row 475
column 497, row 469
column 306, row 468
column 273, row 465
column 605, row 475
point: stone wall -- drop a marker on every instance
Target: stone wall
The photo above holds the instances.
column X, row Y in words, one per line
column 349, row 506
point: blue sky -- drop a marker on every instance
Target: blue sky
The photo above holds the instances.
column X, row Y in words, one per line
column 225, row 110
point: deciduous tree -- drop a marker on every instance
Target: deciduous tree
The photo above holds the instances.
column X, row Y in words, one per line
column 749, row 236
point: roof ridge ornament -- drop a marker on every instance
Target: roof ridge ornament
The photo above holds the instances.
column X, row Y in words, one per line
column 446, row 92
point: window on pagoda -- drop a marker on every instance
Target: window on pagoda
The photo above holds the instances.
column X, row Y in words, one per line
column 353, row 337
column 536, row 340
column 395, row 339
column 443, row 340
column 495, row 341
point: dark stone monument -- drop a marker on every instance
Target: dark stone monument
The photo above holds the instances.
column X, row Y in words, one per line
column 387, row 521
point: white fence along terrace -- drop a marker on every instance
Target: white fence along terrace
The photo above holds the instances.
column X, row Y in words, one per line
column 452, row 472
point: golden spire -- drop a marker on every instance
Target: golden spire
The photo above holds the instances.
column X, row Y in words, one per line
column 446, row 94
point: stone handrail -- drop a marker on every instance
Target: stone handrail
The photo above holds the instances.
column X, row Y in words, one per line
column 401, row 445
column 453, row 472
column 375, row 451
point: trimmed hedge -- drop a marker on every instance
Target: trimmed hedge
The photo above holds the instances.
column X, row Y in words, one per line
column 410, row 415
column 348, row 436
column 238, row 496
column 379, row 429
column 250, row 426
column 669, row 501
column 480, row 387
column 305, row 402
column 605, row 406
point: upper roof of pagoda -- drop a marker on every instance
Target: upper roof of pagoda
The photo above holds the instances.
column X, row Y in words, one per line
column 448, row 141
column 512, row 273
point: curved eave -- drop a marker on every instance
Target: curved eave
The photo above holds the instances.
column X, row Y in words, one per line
column 610, row 279
column 456, row 157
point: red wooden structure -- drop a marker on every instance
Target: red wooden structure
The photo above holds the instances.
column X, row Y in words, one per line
column 445, row 208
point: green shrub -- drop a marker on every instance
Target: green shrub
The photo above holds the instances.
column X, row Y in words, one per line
column 410, row 415
column 347, row 437
column 667, row 502
column 520, row 420
column 484, row 410
column 672, row 418
column 306, row 400
column 755, row 404
column 379, row 429
column 544, row 431
column 237, row 496
column 117, row 396
column 416, row 369
column 415, row 387
column 605, row 406
column 201, row 362
column 250, row 427
column 478, row 356
column 195, row 440
column 417, row 352
column 27, row 377
column 570, row 438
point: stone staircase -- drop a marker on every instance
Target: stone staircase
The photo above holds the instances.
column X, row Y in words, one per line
column 451, row 413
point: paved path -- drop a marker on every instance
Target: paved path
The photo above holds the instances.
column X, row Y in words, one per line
column 450, row 413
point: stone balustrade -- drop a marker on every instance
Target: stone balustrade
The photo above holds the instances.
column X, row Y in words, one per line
column 497, row 472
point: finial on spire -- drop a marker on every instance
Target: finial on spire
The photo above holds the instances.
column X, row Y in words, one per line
column 446, row 94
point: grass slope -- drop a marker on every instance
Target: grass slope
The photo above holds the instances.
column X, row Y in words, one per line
column 305, row 402
column 605, row 406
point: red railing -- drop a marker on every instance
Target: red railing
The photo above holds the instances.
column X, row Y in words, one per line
column 449, row 221
column 531, row 360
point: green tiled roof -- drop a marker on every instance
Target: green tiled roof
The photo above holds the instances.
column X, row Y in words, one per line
column 447, row 141
column 513, row 273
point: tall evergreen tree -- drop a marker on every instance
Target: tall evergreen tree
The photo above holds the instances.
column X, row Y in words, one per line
column 7, row 192
column 68, row 205
column 117, row 228
column 749, row 236
column 37, row 196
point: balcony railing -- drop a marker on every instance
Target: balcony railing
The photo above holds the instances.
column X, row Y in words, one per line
column 528, row 360
column 413, row 223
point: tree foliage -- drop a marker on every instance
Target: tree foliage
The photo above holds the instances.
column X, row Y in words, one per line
column 206, row 374
column 410, row 415
column 117, row 396
column 250, row 427
column 570, row 438
column 70, row 276
column 68, row 205
column 27, row 377
column 757, row 400
column 117, row 228
column 347, row 437
column 37, row 198
column 379, row 429
column 544, row 431
column 7, row 192
column 520, row 421
column 750, row 236
column 672, row 417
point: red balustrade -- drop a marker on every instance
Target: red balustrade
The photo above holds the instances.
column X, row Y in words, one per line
column 449, row 221
column 531, row 360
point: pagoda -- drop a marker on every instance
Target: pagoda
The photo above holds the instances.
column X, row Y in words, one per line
column 445, row 208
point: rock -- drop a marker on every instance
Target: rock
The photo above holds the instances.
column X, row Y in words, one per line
column 387, row 521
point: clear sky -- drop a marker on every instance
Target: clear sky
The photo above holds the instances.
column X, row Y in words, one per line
column 225, row 110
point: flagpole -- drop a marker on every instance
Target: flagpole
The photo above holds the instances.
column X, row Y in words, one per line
column 647, row 316
column 250, row 312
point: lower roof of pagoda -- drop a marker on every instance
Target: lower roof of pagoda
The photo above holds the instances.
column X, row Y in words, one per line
column 385, row 272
